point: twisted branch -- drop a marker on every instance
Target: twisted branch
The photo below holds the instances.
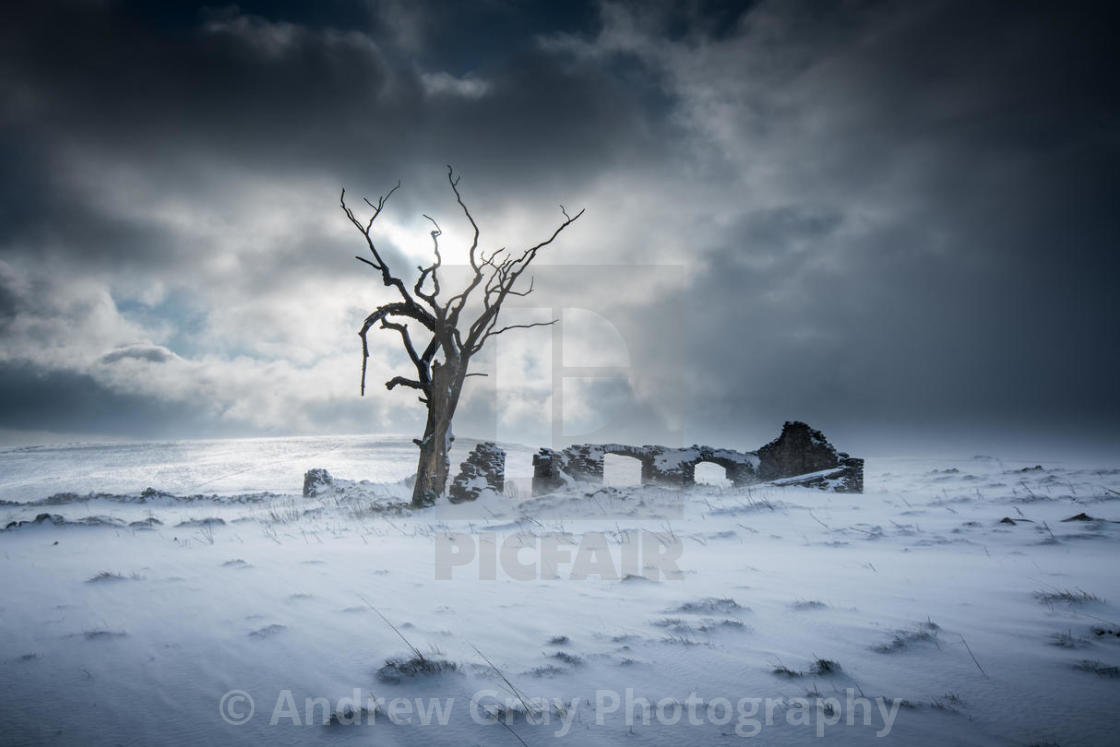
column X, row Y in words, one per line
column 497, row 274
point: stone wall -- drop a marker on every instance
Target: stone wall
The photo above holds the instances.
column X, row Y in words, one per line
column 485, row 468
column 851, row 479
column 316, row 481
column 799, row 452
column 661, row 465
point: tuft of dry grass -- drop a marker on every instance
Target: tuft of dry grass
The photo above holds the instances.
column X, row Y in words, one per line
column 103, row 635
column 108, row 577
column 710, row 606
column 1098, row 668
column 784, row 671
column 399, row 668
column 948, row 702
column 903, row 639
column 824, row 667
column 268, row 631
column 570, row 659
column 1068, row 640
column 1066, row 596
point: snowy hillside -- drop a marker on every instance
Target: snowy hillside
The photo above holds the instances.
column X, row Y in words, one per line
column 952, row 603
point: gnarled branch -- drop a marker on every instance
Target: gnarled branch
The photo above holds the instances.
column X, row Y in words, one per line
column 378, row 263
column 497, row 274
column 402, row 381
column 412, row 311
column 502, row 283
column 499, row 331
column 433, row 271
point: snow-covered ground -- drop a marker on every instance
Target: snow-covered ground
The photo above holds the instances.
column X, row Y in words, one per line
column 777, row 613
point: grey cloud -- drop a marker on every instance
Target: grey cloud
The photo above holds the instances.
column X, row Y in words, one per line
column 149, row 353
column 64, row 401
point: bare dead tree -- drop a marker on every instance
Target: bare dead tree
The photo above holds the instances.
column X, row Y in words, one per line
column 449, row 340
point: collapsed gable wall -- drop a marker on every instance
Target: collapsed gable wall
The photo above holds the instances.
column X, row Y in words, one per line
column 799, row 450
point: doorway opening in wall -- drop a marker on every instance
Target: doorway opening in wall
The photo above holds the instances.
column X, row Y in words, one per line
column 519, row 473
column 621, row 471
column 710, row 473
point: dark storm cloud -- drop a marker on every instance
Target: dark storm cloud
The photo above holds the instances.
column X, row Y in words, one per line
column 943, row 249
column 37, row 400
column 888, row 213
column 179, row 95
column 285, row 97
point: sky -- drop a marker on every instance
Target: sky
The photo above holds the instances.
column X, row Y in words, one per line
column 893, row 220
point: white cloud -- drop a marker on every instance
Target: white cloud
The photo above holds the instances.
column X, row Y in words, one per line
column 445, row 84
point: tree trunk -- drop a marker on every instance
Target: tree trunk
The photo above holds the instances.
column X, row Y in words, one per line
column 434, row 467
column 495, row 276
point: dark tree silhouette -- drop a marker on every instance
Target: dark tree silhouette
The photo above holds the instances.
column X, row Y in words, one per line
column 449, row 339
